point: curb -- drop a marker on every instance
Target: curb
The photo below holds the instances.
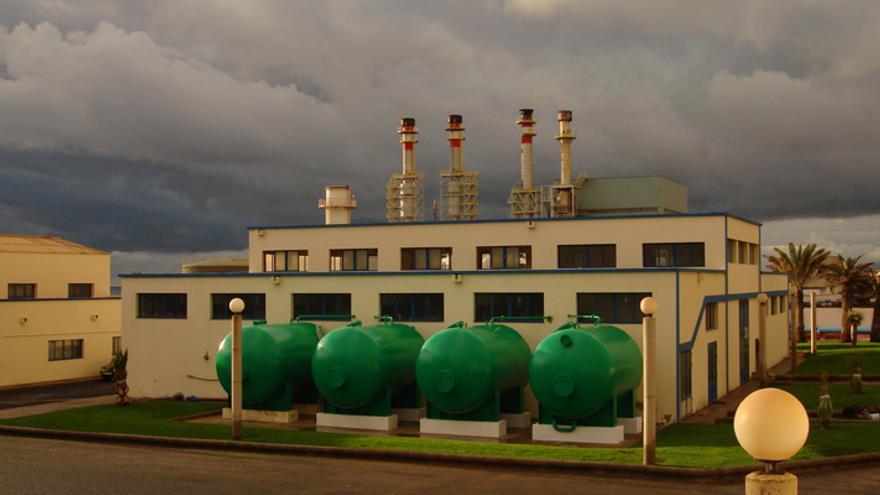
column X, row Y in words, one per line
column 567, row 467
column 815, row 378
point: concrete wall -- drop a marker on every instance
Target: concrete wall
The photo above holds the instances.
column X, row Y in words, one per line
column 52, row 272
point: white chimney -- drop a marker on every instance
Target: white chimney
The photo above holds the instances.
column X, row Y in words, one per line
column 337, row 204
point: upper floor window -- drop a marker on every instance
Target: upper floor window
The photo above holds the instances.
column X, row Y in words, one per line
column 426, row 259
column 350, row 260
column 499, row 257
column 612, row 307
column 322, row 306
column 712, row 316
column 254, row 306
column 588, row 256
column 172, row 306
column 22, row 291
column 488, row 305
column 731, row 250
column 60, row 350
column 685, row 373
column 286, row 261
column 412, row 307
column 80, row 290
column 755, row 254
column 681, row 254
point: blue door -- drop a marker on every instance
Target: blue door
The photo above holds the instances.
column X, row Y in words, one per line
column 713, row 371
column 743, row 341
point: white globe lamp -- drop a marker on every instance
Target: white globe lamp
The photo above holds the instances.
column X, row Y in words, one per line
column 236, row 306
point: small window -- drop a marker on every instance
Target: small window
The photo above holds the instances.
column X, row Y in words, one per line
column 742, row 252
column 712, row 316
column 527, row 304
column 426, row 259
column 330, row 307
column 62, row 350
column 167, row 306
column 254, row 306
column 286, row 261
column 587, row 256
column 731, row 251
column 612, row 307
column 774, row 305
column 684, row 374
column 80, row 290
column 504, row 257
column 782, row 304
column 755, row 255
column 412, row 307
column 116, row 345
column 350, row 260
column 22, row 291
column 685, row 254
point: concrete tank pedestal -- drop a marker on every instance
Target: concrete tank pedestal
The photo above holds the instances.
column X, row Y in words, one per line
column 761, row 483
column 463, row 428
column 356, row 421
column 258, row 416
column 411, row 415
column 518, row 421
column 631, row 426
column 608, row 435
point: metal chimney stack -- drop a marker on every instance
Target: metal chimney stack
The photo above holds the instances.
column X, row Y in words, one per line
column 458, row 187
column 337, row 204
column 525, row 198
column 563, row 193
column 404, row 200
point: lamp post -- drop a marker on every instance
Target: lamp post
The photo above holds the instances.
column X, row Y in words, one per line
column 236, row 306
column 649, row 402
column 814, row 332
column 762, row 338
column 772, row 426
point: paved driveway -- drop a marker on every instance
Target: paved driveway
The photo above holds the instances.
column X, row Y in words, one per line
column 53, row 393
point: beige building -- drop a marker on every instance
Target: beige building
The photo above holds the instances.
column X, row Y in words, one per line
column 57, row 319
column 703, row 269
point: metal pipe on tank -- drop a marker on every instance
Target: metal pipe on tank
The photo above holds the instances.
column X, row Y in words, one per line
column 526, row 160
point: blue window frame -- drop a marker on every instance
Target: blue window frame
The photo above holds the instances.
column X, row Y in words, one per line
column 504, row 257
column 587, row 256
column 680, row 254
column 254, row 306
column 426, row 258
column 330, row 307
column 611, row 307
column 488, row 305
column 167, row 306
column 412, row 307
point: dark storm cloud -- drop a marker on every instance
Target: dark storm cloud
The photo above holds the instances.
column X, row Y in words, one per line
column 169, row 126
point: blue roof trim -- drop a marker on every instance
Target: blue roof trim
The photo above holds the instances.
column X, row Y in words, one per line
column 110, row 298
column 410, row 273
column 722, row 298
column 506, row 220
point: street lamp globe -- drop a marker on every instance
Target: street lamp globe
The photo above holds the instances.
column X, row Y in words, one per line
column 762, row 298
column 771, row 425
column 236, row 306
column 648, row 305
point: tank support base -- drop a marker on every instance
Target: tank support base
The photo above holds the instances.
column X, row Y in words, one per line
column 606, row 435
column 631, row 426
column 356, row 421
column 259, row 416
column 518, row 421
column 411, row 415
column 463, row 428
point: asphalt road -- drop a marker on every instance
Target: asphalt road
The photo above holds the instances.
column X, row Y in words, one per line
column 29, row 465
column 53, row 393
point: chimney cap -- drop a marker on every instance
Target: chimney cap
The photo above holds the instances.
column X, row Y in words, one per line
column 563, row 115
column 407, row 121
column 455, row 118
column 526, row 113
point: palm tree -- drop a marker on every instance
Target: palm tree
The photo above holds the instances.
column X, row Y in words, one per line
column 853, row 320
column 875, row 320
column 801, row 263
column 852, row 276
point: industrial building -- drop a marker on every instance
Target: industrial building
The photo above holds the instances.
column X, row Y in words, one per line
column 578, row 246
column 57, row 319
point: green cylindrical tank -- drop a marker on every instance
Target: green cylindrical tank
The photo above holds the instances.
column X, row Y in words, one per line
column 577, row 370
column 459, row 368
column 273, row 356
column 356, row 364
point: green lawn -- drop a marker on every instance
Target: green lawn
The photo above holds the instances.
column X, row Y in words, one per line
column 684, row 445
column 841, row 394
column 837, row 358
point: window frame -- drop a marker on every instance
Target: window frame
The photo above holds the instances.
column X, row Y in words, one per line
column 29, row 290
column 76, row 348
column 615, row 305
column 342, row 299
column 490, row 251
column 302, row 256
column 369, row 256
column 71, row 289
column 673, row 249
column 410, row 253
column 686, row 374
column 586, row 258
column 509, row 297
column 399, row 298
column 162, row 314
column 712, row 316
column 251, row 304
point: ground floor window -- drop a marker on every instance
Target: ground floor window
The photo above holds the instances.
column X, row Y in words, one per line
column 412, row 307
column 612, row 307
column 519, row 304
column 80, row 290
column 712, row 316
column 322, row 306
column 117, row 345
column 254, row 306
column 22, row 291
column 166, row 305
column 60, row 350
column 684, row 375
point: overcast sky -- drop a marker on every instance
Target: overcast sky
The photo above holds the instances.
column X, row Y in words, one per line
column 160, row 129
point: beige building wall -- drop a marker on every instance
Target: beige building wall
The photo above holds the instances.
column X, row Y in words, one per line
column 28, row 325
